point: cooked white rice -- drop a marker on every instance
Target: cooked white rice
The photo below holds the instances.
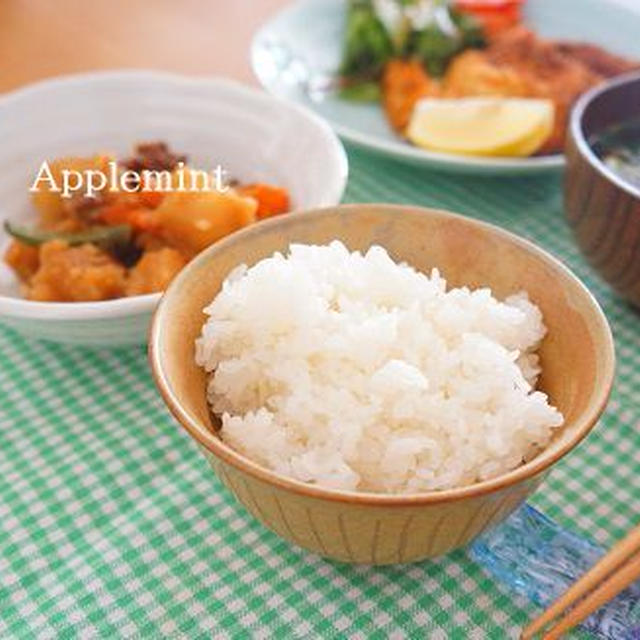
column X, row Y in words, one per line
column 354, row 372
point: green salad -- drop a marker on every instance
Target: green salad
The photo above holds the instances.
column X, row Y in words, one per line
column 379, row 30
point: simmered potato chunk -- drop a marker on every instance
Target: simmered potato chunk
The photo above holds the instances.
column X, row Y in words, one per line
column 50, row 204
column 191, row 221
column 154, row 271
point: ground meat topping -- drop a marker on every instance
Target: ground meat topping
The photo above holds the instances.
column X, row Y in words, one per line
column 84, row 207
column 153, row 156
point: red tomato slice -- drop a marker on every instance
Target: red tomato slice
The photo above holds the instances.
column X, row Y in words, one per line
column 495, row 5
column 494, row 15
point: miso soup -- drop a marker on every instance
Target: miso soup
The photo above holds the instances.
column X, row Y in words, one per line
column 618, row 146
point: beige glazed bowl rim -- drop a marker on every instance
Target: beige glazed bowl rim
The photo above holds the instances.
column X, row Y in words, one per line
column 214, row 445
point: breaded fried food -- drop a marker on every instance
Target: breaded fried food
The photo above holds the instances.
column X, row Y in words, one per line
column 472, row 73
column 404, row 82
column 75, row 274
column 23, row 259
column 519, row 64
column 597, row 59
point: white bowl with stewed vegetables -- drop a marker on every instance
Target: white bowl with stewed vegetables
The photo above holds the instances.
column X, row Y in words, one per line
column 254, row 136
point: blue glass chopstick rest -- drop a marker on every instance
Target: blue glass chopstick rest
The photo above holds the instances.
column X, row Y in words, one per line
column 535, row 557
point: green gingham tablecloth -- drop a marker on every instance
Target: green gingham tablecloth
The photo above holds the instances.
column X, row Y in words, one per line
column 113, row 526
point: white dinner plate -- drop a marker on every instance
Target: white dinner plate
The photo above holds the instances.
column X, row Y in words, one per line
column 297, row 52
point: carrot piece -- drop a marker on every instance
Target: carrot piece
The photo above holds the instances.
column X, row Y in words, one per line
column 144, row 220
column 140, row 219
column 150, row 199
column 271, row 200
column 116, row 213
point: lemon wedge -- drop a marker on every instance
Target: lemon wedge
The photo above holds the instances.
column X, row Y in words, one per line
column 482, row 126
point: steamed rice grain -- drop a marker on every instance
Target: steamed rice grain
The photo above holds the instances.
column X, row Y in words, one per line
column 353, row 372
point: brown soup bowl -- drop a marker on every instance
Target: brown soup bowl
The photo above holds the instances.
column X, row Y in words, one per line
column 577, row 359
column 601, row 207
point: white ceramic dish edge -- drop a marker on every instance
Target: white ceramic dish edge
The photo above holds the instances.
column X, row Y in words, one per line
column 124, row 321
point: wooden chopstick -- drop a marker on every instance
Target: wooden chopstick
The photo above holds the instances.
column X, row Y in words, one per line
column 615, row 571
column 606, row 591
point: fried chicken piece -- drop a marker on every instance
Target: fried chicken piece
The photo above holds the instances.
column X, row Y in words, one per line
column 404, row 82
column 518, row 64
column 472, row 73
column 597, row 59
column 550, row 74
column 23, row 259
column 154, row 271
column 75, row 274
